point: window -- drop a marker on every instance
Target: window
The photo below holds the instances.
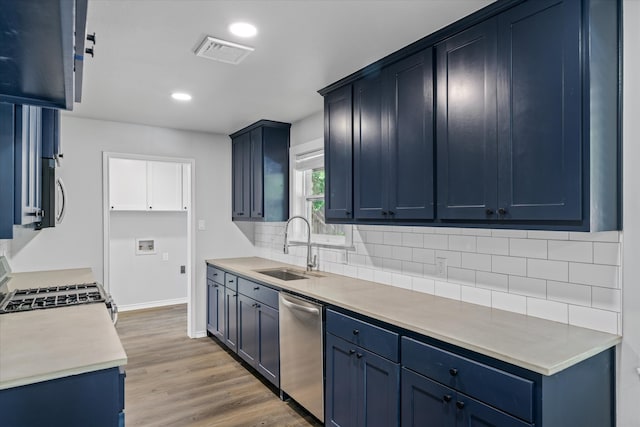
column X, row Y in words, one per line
column 308, row 180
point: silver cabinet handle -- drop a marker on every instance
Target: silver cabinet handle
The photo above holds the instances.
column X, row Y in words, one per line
column 289, row 304
column 63, row 209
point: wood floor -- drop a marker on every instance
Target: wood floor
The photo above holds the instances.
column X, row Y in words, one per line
column 173, row 380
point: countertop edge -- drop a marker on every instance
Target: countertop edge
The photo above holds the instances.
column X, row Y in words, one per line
column 540, row 369
column 62, row 374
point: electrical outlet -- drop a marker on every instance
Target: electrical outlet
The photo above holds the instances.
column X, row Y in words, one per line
column 183, row 269
column 201, row 224
column 441, row 267
column 165, row 256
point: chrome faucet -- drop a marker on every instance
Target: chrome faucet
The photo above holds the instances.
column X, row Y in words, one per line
column 311, row 264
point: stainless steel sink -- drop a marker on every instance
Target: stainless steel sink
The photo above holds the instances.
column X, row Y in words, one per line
column 287, row 274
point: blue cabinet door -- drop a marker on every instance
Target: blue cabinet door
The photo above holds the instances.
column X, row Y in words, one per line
column 268, row 357
column 7, row 144
column 472, row 413
column 539, row 111
column 341, row 401
column 241, row 165
column 426, row 403
column 370, row 149
column 231, row 319
column 338, row 154
column 247, row 329
column 409, row 97
column 378, row 388
column 257, row 174
column 215, row 309
column 466, row 124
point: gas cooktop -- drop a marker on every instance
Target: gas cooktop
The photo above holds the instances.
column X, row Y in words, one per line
column 51, row 297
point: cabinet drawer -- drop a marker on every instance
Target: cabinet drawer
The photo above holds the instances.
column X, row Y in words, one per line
column 215, row 274
column 258, row 292
column 363, row 334
column 500, row 389
column 231, row 281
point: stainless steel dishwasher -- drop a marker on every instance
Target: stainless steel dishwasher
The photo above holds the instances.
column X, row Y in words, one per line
column 301, row 352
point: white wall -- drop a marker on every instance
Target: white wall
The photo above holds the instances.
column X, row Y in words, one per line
column 78, row 242
column 308, row 129
column 629, row 359
column 137, row 279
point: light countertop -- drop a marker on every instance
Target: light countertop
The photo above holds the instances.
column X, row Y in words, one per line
column 539, row 345
column 41, row 345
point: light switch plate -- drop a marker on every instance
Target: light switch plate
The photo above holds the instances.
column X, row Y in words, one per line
column 165, row 256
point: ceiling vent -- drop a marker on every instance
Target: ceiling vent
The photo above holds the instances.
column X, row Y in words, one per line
column 222, row 50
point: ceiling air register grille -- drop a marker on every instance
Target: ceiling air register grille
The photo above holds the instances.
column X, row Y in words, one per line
column 222, row 50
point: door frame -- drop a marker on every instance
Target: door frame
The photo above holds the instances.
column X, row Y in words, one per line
column 106, row 218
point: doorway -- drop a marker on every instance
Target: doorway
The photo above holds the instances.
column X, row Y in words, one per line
column 148, row 231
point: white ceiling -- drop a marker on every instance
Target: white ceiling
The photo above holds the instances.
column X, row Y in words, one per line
column 144, row 51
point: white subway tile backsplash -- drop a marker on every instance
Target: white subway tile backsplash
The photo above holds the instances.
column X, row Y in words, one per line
column 594, row 274
column 529, row 248
column 606, row 253
column 548, row 235
column 509, row 233
column 605, row 298
column 593, row 318
column 556, row 275
column 412, row 268
column 493, row 245
column 602, row 236
column 462, row 243
column 528, row 286
column 423, row 285
column 476, row 261
column 493, row 281
column 475, row 295
column 401, row 281
column 375, row 237
column 426, row 256
column 392, row 238
column 549, row 310
column 461, row 276
column 382, row 277
column 393, row 265
column 454, row 259
column 447, row 290
column 509, row 265
column 436, row 241
column 570, row 293
column 565, row 250
column 365, row 273
column 413, row 240
column 402, row 253
column 544, row 269
column 509, row 302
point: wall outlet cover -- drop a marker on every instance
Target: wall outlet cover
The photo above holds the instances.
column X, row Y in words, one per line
column 441, row 267
column 201, row 224
column 145, row 246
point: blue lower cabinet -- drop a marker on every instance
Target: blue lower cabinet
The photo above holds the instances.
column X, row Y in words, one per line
column 92, row 399
column 362, row 388
column 268, row 361
column 427, row 403
column 258, row 338
column 231, row 318
column 215, row 309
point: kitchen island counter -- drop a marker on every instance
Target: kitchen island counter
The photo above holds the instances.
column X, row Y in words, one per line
column 42, row 345
column 539, row 345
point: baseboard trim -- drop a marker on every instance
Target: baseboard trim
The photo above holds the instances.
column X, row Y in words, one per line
column 200, row 334
column 152, row 304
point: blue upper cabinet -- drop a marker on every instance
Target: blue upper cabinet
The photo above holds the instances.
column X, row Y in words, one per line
column 409, row 97
column 40, row 35
column 539, row 112
column 393, row 141
column 526, row 113
column 466, row 124
column 338, row 154
column 260, row 164
column 7, row 147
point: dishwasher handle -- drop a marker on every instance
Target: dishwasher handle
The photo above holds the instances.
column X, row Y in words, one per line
column 299, row 307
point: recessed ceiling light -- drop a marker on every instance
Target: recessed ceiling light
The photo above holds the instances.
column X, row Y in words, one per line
column 243, row 29
column 181, row 96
